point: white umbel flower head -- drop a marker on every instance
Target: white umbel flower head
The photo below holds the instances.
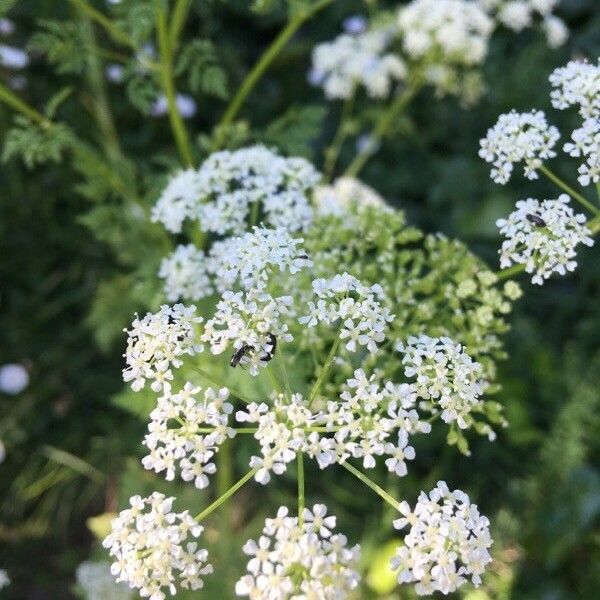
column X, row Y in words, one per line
column 577, row 84
column 447, row 379
column 348, row 61
column 305, row 560
column 543, row 237
column 447, row 542
column 453, row 32
column 586, row 143
column 518, row 137
column 154, row 548
column 156, row 343
column 178, row 200
column 176, row 438
column 96, row 583
column 185, row 273
column 358, row 307
column 344, row 196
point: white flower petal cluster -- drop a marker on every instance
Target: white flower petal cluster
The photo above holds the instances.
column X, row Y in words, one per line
column 253, row 257
column 348, row 61
column 185, row 273
column 155, row 344
column 359, row 308
column 446, row 378
column 454, row 32
column 14, row 378
column 543, row 237
column 178, row 200
column 249, row 322
column 295, row 560
column 229, row 185
column 4, row 579
column 586, row 143
column 154, row 548
column 177, row 439
column 447, row 544
column 13, row 58
column 96, row 583
column 518, row 137
column 344, row 196
column 577, row 84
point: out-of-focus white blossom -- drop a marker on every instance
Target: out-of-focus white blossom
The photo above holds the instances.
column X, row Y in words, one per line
column 543, row 237
column 176, row 437
column 14, row 378
column 186, row 106
column 447, row 542
column 518, row 137
column 577, row 84
column 157, row 342
column 4, row 579
column 115, row 73
column 345, row 195
column 2, row 452
column 7, row 27
column 96, row 583
column 357, row 307
column 354, row 59
column 446, row 377
column 13, row 58
column 154, row 548
column 586, row 143
column 295, row 560
column 185, row 274
column 556, row 30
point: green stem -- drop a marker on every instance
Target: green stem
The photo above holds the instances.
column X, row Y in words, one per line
column 180, row 14
column 11, row 99
column 569, row 190
column 381, row 127
column 376, row 488
column 333, row 151
column 224, row 497
column 324, row 371
column 113, row 30
column 168, row 85
column 263, row 64
column 274, row 381
column 224, row 482
column 509, row 272
column 594, row 225
column 233, row 392
column 301, row 493
column 282, row 368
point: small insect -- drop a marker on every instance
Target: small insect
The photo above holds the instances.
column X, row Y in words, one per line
column 303, row 256
column 536, row 220
column 239, row 354
column 271, row 352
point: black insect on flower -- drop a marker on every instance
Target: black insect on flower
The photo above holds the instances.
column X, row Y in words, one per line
column 536, row 220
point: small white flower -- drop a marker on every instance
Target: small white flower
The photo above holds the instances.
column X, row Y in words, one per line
column 447, row 542
column 96, row 583
column 13, row 378
column 543, row 237
column 518, row 137
column 186, row 106
column 577, row 84
column 13, row 58
column 586, row 143
column 154, row 548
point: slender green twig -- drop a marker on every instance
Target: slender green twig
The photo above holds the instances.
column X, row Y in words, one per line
column 324, row 371
column 11, row 99
column 301, row 497
column 168, row 85
column 333, row 151
column 180, row 14
column 224, row 497
column 369, row 482
column 382, row 125
column 509, row 272
column 111, row 28
column 569, row 190
column 214, row 382
column 255, row 74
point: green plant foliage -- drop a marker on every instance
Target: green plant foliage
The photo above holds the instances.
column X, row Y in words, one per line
column 200, row 61
column 62, row 43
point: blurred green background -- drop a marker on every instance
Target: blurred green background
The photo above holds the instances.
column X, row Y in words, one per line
column 77, row 261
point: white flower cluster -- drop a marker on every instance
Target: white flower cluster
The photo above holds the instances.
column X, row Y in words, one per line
column 446, row 377
column 543, row 237
column 154, row 548
column 518, row 15
column 251, row 324
column 360, row 425
column 348, row 61
column 344, row 197
column 344, row 298
column 447, row 543
column 455, row 32
column 185, row 273
column 304, row 560
column 577, row 84
column 221, row 194
column 4, row 579
column 518, row 137
column 177, row 433
column 96, row 583
column 156, row 343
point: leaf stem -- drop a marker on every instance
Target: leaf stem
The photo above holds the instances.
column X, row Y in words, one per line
column 224, row 497
column 301, row 492
column 115, row 31
column 168, row 85
column 233, row 392
column 569, row 190
column 382, row 125
column 324, row 371
column 265, row 61
column 509, row 272
column 333, row 151
column 178, row 18
column 11, row 99
column 370, row 483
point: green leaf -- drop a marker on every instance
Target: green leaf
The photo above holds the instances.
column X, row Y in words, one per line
column 63, row 44
column 6, row 5
column 142, row 92
column 54, row 103
column 200, row 61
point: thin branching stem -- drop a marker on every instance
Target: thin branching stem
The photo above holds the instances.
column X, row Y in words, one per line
column 11, row 99
column 109, row 26
column 324, row 370
column 301, row 492
column 370, row 483
column 333, row 151
column 569, row 190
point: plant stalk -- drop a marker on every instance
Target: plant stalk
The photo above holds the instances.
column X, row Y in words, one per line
column 569, row 190
column 376, row 488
